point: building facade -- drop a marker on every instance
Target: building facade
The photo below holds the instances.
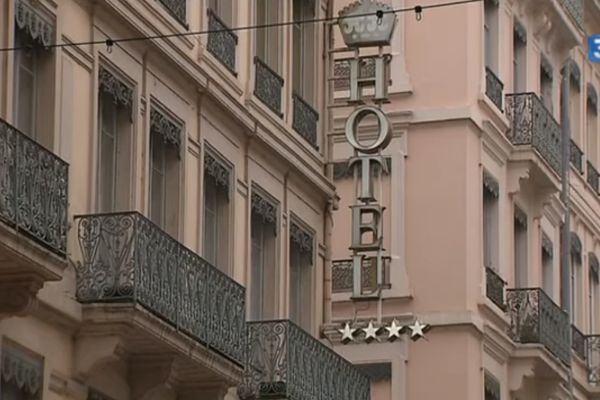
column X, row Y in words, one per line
column 164, row 209
column 474, row 211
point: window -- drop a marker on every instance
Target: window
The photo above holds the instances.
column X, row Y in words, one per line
column 264, row 253
column 546, row 84
column 520, row 248
column 490, row 222
column 165, row 138
column 592, row 126
column 547, row 265
column 576, row 280
column 34, row 73
column 593, row 293
column 216, row 213
column 16, row 364
column 491, row 387
column 224, row 10
column 301, row 261
column 114, row 149
column 519, row 58
column 491, row 34
column 268, row 39
column 575, row 104
column 380, row 376
column 305, row 46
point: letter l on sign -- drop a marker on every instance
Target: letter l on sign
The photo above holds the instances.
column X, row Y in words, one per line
column 594, row 48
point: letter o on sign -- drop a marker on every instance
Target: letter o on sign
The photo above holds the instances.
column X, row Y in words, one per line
column 384, row 132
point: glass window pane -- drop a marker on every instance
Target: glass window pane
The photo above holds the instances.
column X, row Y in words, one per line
column 210, row 220
column 107, row 157
column 157, row 183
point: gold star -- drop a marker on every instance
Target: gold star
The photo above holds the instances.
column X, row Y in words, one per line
column 418, row 330
column 371, row 332
column 394, row 331
column 347, row 333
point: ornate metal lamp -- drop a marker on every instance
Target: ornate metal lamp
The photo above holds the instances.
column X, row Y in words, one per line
column 367, row 23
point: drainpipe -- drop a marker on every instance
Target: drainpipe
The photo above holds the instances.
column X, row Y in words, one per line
column 565, row 197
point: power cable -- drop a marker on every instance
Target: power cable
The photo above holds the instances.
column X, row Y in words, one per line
column 379, row 14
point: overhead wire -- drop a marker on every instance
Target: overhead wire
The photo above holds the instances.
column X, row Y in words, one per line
column 109, row 42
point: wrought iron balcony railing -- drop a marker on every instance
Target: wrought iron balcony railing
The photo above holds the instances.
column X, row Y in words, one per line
column 592, row 177
column 177, row 8
column 575, row 9
column 306, row 120
column 342, row 275
column 494, row 288
column 285, row 362
column 533, row 124
column 222, row 41
column 535, row 318
column 493, row 88
column 593, row 358
column 33, row 189
column 268, row 86
column 576, row 157
column 578, row 340
column 127, row 258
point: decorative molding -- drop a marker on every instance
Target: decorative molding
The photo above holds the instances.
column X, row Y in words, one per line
column 576, row 246
column 594, row 265
column 546, row 66
column 547, row 246
column 575, row 73
column 520, row 31
column 34, row 23
column 218, row 170
column 121, row 93
column 492, row 386
column 23, row 369
column 170, row 131
column 592, row 97
column 303, row 239
column 490, row 184
column 264, row 208
column 520, row 216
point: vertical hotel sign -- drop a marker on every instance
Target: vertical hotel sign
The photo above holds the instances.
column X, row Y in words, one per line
column 367, row 24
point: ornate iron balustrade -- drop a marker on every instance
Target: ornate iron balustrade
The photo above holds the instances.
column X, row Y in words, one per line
column 494, row 288
column 578, row 342
column 268, row 86
column 366, row 70
column 533, row 124
column 575, row 9
column 592, row 177
column 127, row 258
column 593, row 358
column 222, row 42
column 177, row 8
column 285, row 362
column 493, row 88
column 576, row 156
column 535, row 318
column 306, row 120
column 343, row 275
column 33, row 189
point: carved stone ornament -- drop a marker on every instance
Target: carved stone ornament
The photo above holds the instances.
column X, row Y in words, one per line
column 575, row 73
column 546, row 67
column 32, row 21
column 547, row 246
column 576, row 247
column 594, row 265
column 490, row 184
column 520, row 216
column 121, row 93
column 592, row 97
column 164, row 126
column 520, row 31
column 23, row 370
column 264, row 208
column 217, row 170
column 361, row 27
column 303, row 239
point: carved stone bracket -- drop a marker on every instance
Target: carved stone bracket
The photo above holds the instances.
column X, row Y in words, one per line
column 18, row 296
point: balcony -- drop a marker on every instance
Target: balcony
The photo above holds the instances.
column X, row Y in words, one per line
column 592, row 177
column 593, row 358
column 343, row 275
column 533, row 125
column 535, row 318
column 578, row 340
column 285, row 362
column 177, row 8
column 493, row 88
column 576, row 157
column 268, row 86
column 494, row 288
column 306, row 120
column 33, row 216
column 574, row 9
column 163, row 296
column 222, row 42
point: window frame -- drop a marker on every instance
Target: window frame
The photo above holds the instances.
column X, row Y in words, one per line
column 304, row 319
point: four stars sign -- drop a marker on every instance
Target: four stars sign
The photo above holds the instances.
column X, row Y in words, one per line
column 394, row 330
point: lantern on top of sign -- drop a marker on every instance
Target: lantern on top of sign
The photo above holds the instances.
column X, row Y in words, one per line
column 367, row 24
